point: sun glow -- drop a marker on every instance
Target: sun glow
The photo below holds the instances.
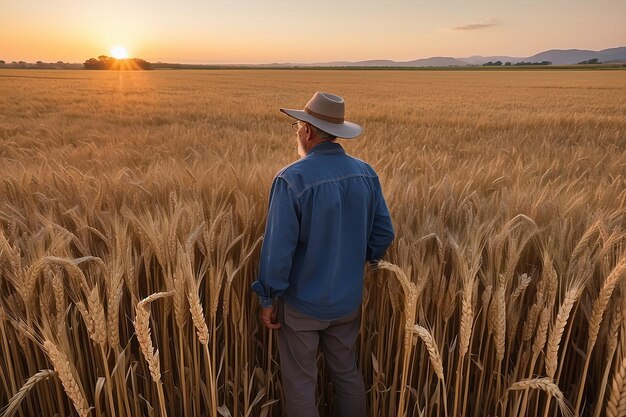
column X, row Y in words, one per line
column 119, row 52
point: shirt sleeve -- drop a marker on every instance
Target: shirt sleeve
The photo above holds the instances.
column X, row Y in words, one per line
column 382, row 230
column 282, row 231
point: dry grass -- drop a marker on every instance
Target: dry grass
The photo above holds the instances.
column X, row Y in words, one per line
column 507, row 190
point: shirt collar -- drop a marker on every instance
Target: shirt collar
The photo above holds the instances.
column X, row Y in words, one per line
column 327, row 147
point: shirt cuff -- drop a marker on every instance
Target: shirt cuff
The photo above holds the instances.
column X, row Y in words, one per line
column 265, row 302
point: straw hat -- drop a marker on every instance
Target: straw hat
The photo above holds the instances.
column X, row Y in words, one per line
column 326, row 112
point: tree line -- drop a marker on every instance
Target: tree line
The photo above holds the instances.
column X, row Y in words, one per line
column 104, row 62
column 507, row 64
column 38, row 64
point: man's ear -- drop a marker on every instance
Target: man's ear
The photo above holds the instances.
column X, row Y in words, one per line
column 308, row 131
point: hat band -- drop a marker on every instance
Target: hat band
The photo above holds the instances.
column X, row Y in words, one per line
column 336, row 120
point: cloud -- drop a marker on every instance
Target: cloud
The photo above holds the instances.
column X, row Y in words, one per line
column 478, row 25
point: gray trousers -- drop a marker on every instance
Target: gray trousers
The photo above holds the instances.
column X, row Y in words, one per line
column 298, row 339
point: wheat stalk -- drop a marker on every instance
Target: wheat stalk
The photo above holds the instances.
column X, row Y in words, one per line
column 599, row 306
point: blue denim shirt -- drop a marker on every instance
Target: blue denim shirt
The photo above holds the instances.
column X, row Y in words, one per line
column 327, row 216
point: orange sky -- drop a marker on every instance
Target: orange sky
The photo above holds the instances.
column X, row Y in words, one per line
column 248, row 31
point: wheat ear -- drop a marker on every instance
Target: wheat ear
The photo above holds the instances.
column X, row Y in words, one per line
column 433, row 351
column 16, row 400
column 96, row 312
column 500, row 323
column 410, row 297
column 557, row 330
column 617, row 400
column 181, row 312
column 467, row 317
column 542, row 331
column 66, row 374
column 116, row 291
column 197, row 313
column 524, row 281
column 142, row 329
column 547, row 385
column 602, row 301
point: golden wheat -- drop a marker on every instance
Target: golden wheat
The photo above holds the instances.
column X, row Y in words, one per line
column 142, row 329
column 547, row 385
column 66, row 373
column 507, row 191
column 16, row 399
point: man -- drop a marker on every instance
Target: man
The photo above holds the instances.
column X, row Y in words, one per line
column 327, row 217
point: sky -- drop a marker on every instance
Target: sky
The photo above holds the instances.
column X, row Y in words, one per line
column 296, row 31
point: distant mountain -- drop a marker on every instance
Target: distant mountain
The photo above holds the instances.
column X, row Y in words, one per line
column 564, row 57
column 437, row 61
column 574, row 56
column 613, row 54
column 556, row 56
column 368, row 63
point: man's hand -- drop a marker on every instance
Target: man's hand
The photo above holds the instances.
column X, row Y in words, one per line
column 268, row 317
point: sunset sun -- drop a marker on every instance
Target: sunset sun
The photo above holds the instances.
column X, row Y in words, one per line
column 119, row 52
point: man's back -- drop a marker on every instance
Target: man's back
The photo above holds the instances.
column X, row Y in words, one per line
column 327, row 217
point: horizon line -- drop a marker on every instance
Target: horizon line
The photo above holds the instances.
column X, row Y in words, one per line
column 317, row 62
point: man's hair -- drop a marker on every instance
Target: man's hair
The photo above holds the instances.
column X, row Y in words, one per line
column 321, row 134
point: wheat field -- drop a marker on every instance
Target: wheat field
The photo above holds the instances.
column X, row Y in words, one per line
column 132, row 209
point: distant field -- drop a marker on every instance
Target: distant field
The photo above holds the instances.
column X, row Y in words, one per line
column 507, row 190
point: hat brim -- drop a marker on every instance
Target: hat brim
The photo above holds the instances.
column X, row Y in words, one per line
column 346, row 130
